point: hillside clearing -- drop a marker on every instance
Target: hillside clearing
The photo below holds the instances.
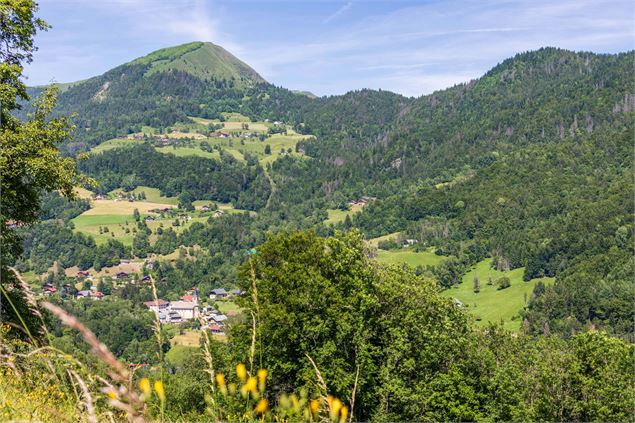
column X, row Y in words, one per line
column 490, row 304
column 410, row 257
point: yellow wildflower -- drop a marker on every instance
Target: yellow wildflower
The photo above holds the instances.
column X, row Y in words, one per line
column 220, row 379
column 158, row 388
column 241, row 371
column 262, row 375
column 251, row 385
column 144, row 385
column 112, row 394
column 343, row 414
column 315, row 407
column 336, row 405
column 262, row 406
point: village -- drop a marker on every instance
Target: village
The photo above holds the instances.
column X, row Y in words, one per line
column 189, row 307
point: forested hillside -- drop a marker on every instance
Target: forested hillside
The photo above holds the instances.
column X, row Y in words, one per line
column 324, row 241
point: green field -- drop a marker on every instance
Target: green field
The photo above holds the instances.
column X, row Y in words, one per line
column 410, row 257
column 113, row 143
column 237, row 147
column 188, row 151
column 118, row 215
column 153, row 195
column 337, row 215
column 227, row 306
column 491, row 305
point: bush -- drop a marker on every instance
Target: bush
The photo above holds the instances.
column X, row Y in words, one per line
column 503, row 283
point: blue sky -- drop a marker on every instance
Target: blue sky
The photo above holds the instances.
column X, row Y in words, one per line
column 329, row 47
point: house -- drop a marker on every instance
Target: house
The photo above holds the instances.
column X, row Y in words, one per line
column 83, row 294
column 411, row 241
column 237, row 292
column 205, row 207
column 218, row 213
column 97, row 295
column 219, row 318
column 218, row 293
column 83, row 274
column 149, row 218
column 122, row 275
column 157, row 305
column 49, row 289
column 216, row 329
column 99, row 197
column 190, row 298
column 186, row 309
column 146, row 278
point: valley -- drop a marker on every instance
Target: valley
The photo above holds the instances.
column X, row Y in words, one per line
column 463, row 255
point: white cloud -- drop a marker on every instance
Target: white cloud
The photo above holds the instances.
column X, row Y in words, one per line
column 339, row 12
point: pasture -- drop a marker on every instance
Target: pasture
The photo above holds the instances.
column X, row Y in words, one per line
column 114, row 143
column 490, row 304
column 337, row 215
column 410, row 257
column 117, row 217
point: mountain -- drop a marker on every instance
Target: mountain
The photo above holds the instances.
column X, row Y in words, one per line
column 206, row 61
column 164, row 87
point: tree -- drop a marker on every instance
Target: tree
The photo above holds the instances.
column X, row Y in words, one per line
column 267, row 149
column 476, row 284
column 29, row 159
column 136, row 215
column 322, row 297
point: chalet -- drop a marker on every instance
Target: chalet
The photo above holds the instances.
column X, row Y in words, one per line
column 216, row 329
column 97, row 295
column 49, row 289
column 237, row 292
column 83, row 274
column 219, row 318
column 411, row 241
column 99, row 197
column 205, row 208
column 146, row 278
column 184, row 216
column 83, row 294
column 218, row 213
column 221, row 134
column 149, row 218
column 122, row 275
column 157, row 305
column 218, row 293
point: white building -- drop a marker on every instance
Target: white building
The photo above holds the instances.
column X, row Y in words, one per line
column 186, row 309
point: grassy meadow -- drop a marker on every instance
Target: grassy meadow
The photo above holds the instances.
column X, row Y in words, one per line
column 490, row 304
column 337, row 215
column 410, row 257
column 118, row 215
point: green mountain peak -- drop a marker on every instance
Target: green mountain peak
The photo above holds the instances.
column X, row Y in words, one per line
column 204, row 60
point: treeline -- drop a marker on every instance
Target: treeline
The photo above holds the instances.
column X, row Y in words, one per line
column 225, row 180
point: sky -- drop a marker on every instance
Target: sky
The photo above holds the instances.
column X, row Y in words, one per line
column 329, row 47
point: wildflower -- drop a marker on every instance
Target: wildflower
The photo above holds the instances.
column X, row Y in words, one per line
column 315, row 407
column 112, row 394
column 251, row 385
column 144, row 385
column 232, row 388
column 343, row 414
column 262, row 406
column 336, row 405
column 220, row 379
column 158, row 388
column 241, row 371
column 262, row 375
